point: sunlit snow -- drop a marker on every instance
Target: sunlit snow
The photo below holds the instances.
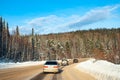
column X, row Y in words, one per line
column 101, row 69
column 20, row 64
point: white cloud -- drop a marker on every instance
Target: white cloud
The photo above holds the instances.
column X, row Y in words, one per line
column 95, row 15
column 49, row 24
column 54, row 24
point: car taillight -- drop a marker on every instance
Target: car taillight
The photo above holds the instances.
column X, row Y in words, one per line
column 55, row 66
column 45, row 66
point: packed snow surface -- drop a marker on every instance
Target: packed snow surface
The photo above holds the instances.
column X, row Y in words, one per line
column 20, row 64
column 100, row 69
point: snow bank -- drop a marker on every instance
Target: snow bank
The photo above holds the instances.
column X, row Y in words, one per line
column 20, row 64
column 102, row 70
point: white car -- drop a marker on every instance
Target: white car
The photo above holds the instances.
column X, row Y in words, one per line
column 64, row 62
column 51, row 66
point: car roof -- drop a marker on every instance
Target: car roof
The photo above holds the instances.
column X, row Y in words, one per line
column 51, row 61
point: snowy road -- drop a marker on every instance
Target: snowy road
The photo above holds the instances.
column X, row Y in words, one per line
column 25, row 73
column 35, row 73
column 49, row 76
column 87, row 69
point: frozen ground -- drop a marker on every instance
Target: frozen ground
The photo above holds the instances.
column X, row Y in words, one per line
column 102, row 70
column 20, row 64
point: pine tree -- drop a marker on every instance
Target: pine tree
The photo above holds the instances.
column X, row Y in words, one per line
column 33, row 43
column 7, row 41
column 4, row 38
column 1, row 31
column 17, row 31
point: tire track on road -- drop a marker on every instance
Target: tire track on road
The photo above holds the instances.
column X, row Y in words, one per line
column 40, row 76
column 58, row 76
column 49, row 76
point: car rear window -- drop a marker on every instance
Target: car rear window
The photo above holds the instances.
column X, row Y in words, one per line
column 51, row 63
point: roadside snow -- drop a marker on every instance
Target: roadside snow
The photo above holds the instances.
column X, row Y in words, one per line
column 20, row 64
column 101, row 69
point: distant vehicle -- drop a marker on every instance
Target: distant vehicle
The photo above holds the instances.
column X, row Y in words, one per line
column 51, row 66
column 64, row 62
column 75, row 60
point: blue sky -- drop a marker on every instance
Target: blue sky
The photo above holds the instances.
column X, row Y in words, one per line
column 54, row 16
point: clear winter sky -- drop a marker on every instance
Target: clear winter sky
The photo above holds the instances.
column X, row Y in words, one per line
column 54, row 16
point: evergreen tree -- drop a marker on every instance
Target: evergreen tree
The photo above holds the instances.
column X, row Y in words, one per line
column 17, row 31
column 33, row 44
column 1, row 43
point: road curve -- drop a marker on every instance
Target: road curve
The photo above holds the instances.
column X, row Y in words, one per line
column 36, row 73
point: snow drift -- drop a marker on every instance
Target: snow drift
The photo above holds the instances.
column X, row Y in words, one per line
column 20, row 64
column 101, row 69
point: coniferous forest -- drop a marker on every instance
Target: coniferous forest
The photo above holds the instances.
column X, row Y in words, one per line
column 99, row 43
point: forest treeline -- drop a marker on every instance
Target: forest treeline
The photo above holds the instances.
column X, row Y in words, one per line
column 98, row 43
